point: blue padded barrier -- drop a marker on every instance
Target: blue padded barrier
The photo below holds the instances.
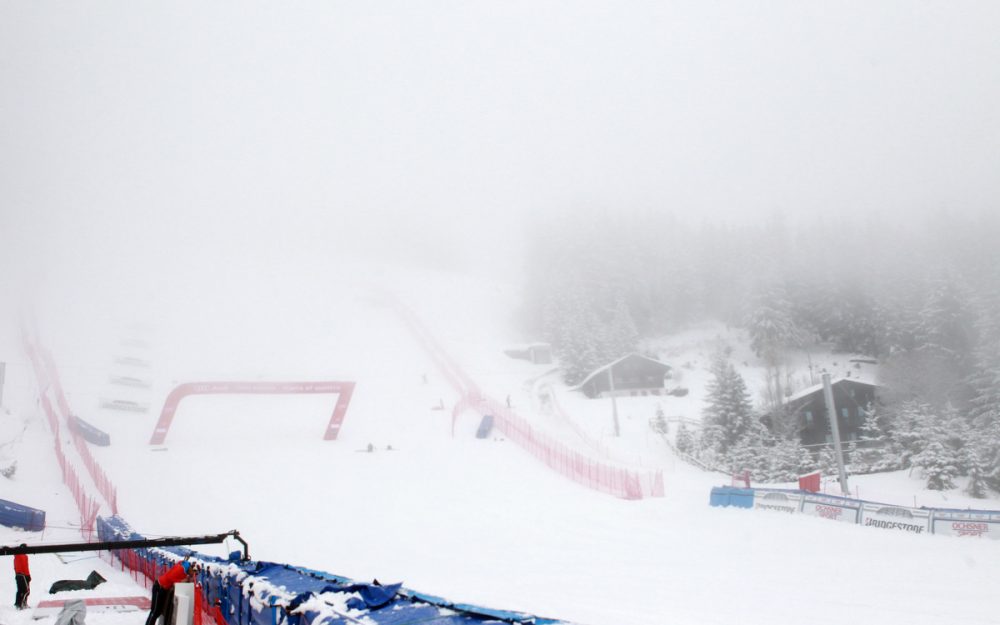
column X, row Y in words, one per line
column 268, row 593
column 945, row 521
column 15, row 515
column 485, row 426
column 736, row 497
column 89, row 433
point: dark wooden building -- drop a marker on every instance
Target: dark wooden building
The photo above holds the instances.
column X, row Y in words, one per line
column 852, row 399
column 538, row 353
column 633, row 374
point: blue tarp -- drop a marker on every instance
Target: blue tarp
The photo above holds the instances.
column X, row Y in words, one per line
column 485, row 426
column 90, row 433
column 231, row 585
column 15, row 515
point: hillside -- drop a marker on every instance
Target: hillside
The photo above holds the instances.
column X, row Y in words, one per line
column 480, row 521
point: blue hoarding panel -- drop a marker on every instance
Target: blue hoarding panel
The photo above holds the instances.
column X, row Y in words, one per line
column 736, row 497
column 15, row 515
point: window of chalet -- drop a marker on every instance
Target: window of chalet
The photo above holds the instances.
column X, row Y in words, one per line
column 809, row 417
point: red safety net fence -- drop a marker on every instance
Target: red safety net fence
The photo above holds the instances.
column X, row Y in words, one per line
column 595, row 474
column 97, row 474
column 145, row 567
column 48, row 379
column 85, row 503
column 557, row 410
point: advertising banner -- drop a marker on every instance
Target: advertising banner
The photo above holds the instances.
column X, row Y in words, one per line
column 836, row 508
column 898, row 518
column 975, row 523
column 777, row 501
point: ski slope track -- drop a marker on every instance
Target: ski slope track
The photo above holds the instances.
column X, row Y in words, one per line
column 618, row 481
column 480, row 521
column 252, row 592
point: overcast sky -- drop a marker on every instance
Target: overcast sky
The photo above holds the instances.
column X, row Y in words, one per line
column 141, row 137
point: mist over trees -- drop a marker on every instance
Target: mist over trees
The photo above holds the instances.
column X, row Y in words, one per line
column 921, row 295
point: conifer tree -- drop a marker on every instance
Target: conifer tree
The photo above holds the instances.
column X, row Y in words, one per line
column 729, row 408
column 622, row 336
column 984, row 411
column 684, row 441
column 913, row 427
column 660, row 421
column 807, row 463
column 827, row 462
column 711, row 445
column 855, row 462
column 745, row 455
column 977, row 474
column 785, row 457
column 937, row 463
column 771, row 324
column 574, row 330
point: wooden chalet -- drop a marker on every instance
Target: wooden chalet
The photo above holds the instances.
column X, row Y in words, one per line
column 852, row 399
column 538, row 353
column 633, row 374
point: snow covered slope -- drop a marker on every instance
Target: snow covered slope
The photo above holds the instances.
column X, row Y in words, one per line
column 475, row 520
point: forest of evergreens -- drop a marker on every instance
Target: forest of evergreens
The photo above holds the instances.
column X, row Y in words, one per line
column 921, row 295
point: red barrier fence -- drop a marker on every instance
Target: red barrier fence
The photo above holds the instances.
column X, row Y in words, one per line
column 97, row 474
column 101, row 481
column 594, row 474
column 86, row 505
column 48, row 379
column 566, row 419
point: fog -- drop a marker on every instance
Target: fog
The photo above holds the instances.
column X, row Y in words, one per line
column 219, row 150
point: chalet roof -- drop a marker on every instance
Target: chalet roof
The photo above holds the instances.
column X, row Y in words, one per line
column 819, row 387
column 527, row 346
column 595, row 372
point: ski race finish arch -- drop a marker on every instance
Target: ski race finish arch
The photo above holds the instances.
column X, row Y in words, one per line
column 344, row 390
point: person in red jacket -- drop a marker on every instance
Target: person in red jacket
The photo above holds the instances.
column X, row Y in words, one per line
column 22, row 576
column 163, row 590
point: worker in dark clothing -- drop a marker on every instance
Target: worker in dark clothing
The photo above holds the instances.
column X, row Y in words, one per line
column 22, row 575
column 163, row 590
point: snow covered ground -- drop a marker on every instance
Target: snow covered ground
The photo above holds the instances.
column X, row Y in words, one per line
column 479, row 521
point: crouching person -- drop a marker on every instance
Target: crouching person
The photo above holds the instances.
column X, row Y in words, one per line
column 163, row 590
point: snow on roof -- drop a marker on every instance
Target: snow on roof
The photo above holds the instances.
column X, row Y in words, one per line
column 612, row 364
column 818, row 387
column 528, row 345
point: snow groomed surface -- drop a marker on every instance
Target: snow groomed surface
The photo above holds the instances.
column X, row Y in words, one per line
column 254, row 593
column 268, row 593
column 947, row 521
column 619, row 481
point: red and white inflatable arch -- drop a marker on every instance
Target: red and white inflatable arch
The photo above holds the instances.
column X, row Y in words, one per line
column 344, row 390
